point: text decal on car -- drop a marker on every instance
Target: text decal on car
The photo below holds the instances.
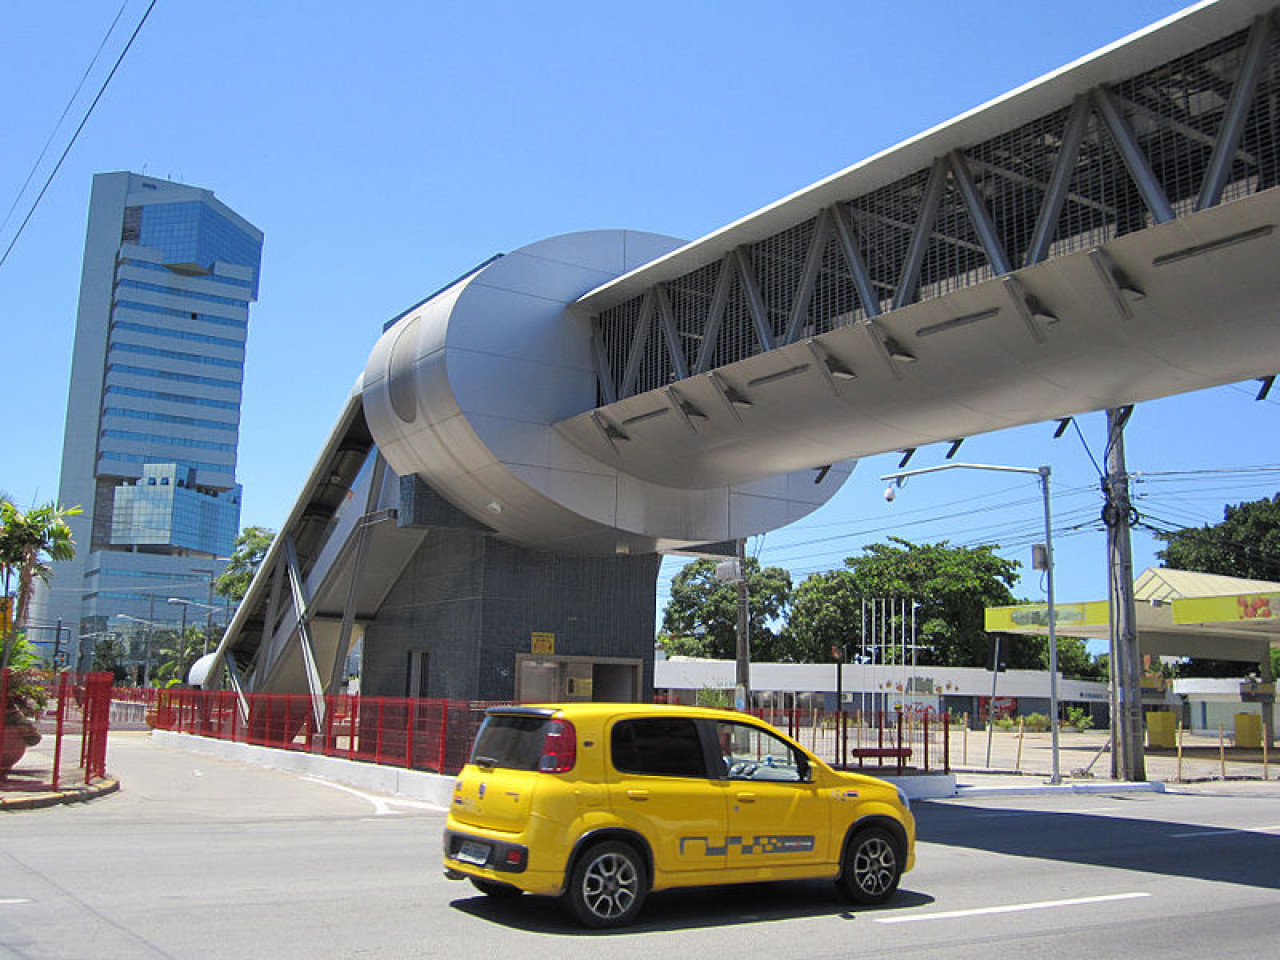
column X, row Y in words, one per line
column 758, row 844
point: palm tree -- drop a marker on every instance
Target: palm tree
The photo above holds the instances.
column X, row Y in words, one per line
column 29, row 542
column 177, row 653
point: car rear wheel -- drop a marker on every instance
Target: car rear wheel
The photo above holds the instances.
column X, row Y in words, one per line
column 872, row 867
column 608, row 885
column 491, row 888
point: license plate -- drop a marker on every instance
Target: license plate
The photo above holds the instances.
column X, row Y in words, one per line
column 472, row 852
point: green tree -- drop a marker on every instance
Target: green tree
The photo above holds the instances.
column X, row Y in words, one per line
column 250, row 550
column 1246, row 543
column 109, row 655
column 29, row 542
column 176, row 653
column 1074, row 658
column 952, row 586
column 701, row 617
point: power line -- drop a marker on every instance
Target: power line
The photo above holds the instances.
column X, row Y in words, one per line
column 75, row 136
column 65, row 110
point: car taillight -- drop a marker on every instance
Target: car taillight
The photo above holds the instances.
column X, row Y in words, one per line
column 559, row 748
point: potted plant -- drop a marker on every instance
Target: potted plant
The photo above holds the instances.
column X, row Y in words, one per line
column 26, row 696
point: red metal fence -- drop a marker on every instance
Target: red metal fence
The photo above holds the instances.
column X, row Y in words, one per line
column 874, row 741
column 436, row 735
column 65, row 742
column 418, row 734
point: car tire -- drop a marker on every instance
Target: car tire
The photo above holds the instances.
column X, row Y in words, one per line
column 608, row 885
column 492, row 888
column 872, row 866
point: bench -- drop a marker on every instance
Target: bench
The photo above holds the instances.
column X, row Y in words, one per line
column 865, row 753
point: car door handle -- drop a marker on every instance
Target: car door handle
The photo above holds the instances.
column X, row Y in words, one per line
column 637, row 794
column 747, row 797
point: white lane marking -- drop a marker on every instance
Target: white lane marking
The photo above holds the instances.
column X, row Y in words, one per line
column 1223, row 832
column 11, row 901
column 1043, row 813
column 1014, row 908
column 381, row 805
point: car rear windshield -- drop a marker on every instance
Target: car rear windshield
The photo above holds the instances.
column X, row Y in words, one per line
column 512, row 741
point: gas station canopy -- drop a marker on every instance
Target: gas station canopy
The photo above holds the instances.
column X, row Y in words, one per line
column 1179, row 614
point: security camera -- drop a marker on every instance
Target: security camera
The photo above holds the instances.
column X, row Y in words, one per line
column 890, row 494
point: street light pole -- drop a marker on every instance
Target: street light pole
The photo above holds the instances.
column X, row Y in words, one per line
column 208, row 618
column 150, row 625
column 1043, row 473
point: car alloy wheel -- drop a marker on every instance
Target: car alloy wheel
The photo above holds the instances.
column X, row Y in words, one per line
column 608, row 885
column 872, row 867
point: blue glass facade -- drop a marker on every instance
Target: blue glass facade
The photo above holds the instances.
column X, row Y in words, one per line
column 165, row 507
column 192, row 233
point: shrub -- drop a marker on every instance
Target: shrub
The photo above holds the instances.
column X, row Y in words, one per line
column 1037, row 722
column 1079, row 718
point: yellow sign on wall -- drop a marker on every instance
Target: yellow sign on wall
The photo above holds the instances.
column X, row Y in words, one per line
column 1034, row 617
column 1242, row 607
column 6, row 603
column 542, row 644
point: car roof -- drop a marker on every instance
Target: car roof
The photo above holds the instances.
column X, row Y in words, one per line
column 603, row 711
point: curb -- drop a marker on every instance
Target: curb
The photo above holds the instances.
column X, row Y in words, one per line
column 1050, row 789
column 37, row 801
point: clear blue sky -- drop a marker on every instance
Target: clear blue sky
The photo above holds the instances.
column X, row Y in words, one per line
column 386, row 148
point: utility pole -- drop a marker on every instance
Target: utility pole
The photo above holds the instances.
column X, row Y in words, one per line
column 1127, row 760
column 742, row 677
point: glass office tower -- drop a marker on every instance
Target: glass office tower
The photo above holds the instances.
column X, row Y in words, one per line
column 153, row 413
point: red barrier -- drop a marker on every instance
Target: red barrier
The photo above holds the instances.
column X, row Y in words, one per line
column 419, row 734
column 40, row 752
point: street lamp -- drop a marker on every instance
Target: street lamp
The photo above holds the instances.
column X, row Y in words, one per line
column 151, row 626
column 1043, row 473
column 208, row 628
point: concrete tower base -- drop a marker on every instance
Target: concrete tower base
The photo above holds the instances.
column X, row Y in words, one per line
column 475, row 618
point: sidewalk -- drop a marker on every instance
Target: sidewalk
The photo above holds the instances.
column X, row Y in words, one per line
column 1084, row 763
column 28, row 785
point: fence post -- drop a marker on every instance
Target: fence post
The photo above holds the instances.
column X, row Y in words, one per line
column 444, row 737
column 377, row 747
column 353, row 708
column 901, row 758
column 946, row 742
column 57, row 741
column 924, row 728
column 411, row 709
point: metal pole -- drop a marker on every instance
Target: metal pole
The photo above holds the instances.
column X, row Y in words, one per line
column 1053, row 627
column 862, row 659
column 991, row 704
column 839, row 653
column 743, row 672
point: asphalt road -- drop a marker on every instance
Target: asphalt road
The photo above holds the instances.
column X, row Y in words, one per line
column 202, row 858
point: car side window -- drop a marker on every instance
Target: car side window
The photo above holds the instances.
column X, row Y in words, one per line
column 753, row 754
column 658, row 746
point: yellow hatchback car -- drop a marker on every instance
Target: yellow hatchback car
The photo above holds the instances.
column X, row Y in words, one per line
column 601, row 803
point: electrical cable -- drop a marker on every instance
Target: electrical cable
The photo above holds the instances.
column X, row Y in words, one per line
column 75, row 136
column 65, row 110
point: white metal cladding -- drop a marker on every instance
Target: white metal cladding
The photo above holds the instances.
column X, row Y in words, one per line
column 464, row 391
column 1098, row 238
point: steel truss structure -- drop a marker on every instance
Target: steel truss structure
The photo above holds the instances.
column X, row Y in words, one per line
column 1195, row 132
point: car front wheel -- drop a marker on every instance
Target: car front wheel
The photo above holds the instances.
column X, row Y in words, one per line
column 872, row 867
column 607, row 886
